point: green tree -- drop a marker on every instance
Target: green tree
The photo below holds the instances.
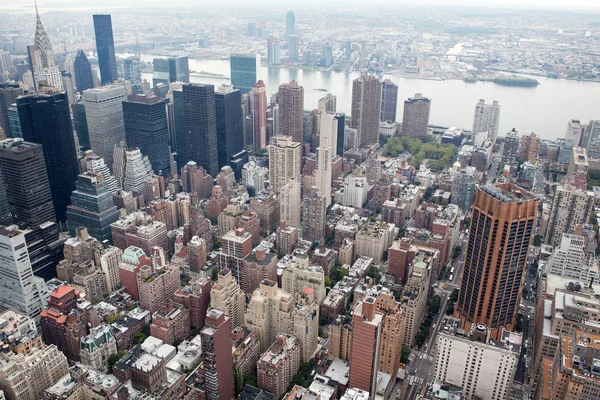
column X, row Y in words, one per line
column 454, row 295
column 110, row 319
column 537, row 241
column 327, row 281
column 113, row 359
column 405, row 354
column 435, row 304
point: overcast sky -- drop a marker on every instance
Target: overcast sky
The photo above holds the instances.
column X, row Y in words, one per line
column 575, row 5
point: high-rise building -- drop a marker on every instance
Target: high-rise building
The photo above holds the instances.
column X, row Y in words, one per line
column 487, row 119
column 277, row 366
column 299, row 275
column 285, row 158
column 389, row 100
column 8, row 95
column 80, row 124
column 237, row 244
column 67, row 78
column 227, row 295
column 325, row 152
column 366, row 108
column 129, row 69
column 84, row 79
column 230, row 123
column 293, row 48
column 327, row 104
column 136, row 171
column 291, row 110
column 92, row 207
column 528, row 148
column 91, row 162
column 172, row 69
column 472, row 360
column 145, row 119
column 493, row 269
column 574, row 133
column 415, row 120
column 273, row 52
column 326, row 55
column 243, row 71
column 20, row 290
column 290, row 200
column 46, row 119
column 290, row 24
column 313, row 216
column 341, row 130
column 258, row 113
column 590, row 139
column 104, row 115
column 201, row 125
column 105, row 45
column 216, row 351
column 570, row 207
column 23, row 168
column 463, row 187
column 5, row 214
column 569, row 259
column 41, row 58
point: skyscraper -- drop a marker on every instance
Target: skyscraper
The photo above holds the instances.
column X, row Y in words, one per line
column 41, row 58
column 201, row 125
column 80, row 124
column 293, row 48
column 285, row 158
column 243, row 71
column 273, row 54
column 216, row 351
column 24, row 169
column 129, row 69
column 8, row 95
column 486, row 119
column 92, row 207
column 326, row 55
column 145, row 119
column 104, row 115
column 84, row 79
column 366, row 108
column 590, row 139
column 327, row 103
column 502, row 227
column 415, row 120
column 5, row 214
column 313, row 216
column 389, row 100
column 230, row 123
column 571, row 207
column 341, row 130
column 325, row 152
column 291, row 110
column 290, row 24
column 290, row 200
column 46, row 119
column 180, row 147
column 172, row 69
column 105, row 45
column 258, row 113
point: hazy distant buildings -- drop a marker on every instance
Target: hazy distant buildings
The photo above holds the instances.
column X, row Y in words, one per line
column 243, row 71
column 105, row 45
column 415, row 121
column 169, row 70
column 291, row 110
column 273, row 51
column 290, row 24
column 84, row 79
column 366, row 108
column 486, row 119
column 293, row 50
column 201, row 125
column 389, row 100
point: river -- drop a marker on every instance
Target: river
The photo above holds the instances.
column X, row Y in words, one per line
column 544, row 109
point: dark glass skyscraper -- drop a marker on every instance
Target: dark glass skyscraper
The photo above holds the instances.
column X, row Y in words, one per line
column 230, row 123
column 172, row 69
column 46, row 119
column 105, row 45
column 341, row 129
column 8, row 95
column 201, row 125
column 92, row 207
column 146, row 128
column 180, row 133
column 243, row 71
column 80, row 124
column 26, row 182
column 84, row 79
column 389, row 100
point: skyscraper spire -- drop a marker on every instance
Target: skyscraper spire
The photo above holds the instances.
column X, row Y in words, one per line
column 42, row 56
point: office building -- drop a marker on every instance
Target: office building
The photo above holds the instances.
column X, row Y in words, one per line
column 293, row 44
column 291, row 110
column 84, row 79
column 389, row 101
column 216, row 351
column 278, row 365
column 105, row 46
column 415, row 120
column 80, row 124
column 92, row 207
column 326, row 55
column 569, row 259
column 258, row 114
column 570, row 207
column 325, row 152
column 104, row 115
column 590, row 139
column 135, row 171
column 23, row 168
column 327, row 104
column 230, row 123
column 290, row 200
column 574, row 133
column 145, row 118
column 290, row 24
column 243, row 71
column 20, row 290
column 313, row 216
column 366, row 108
column 463, row 187
column 8, row 95
column 169, row 70
column 472, row 360
column 5, row 214
column 299, row 275
column 90, row 162
column 46, row 119
column 487, row 119
column 508, row 212
column 578, row 164
column 227, row 295
column 41, row 59
column 285, row 158
column 273, row 51
column 129, row 69
column 272, row 311
column 201, row 125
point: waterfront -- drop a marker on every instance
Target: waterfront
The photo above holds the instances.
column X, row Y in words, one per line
column 544, row 109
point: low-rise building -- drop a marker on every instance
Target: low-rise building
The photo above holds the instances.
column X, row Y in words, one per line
column 171, row 323
column 97, row 347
